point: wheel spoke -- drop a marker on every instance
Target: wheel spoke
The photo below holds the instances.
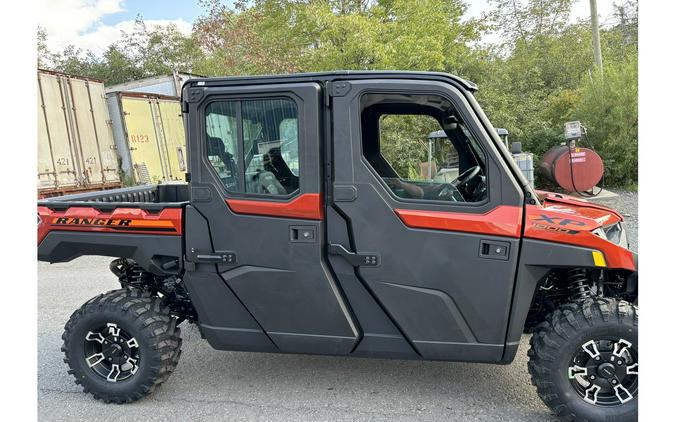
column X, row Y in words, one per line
column 632, row 370
column 575, row 370
column 591, row 393
column 622, row 394
column 620, row 347
column 113, row 329
column 95, row 359
column 132, row 342
column 591, row 348
column 134, row 367
column 114, row 373
column 95, row 337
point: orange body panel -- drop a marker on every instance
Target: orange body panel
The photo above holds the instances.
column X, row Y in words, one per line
column 307, row 206
column 121, row 220
column 501, row 221
column 564, row 219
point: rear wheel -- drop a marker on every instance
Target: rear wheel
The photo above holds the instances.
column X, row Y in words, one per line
column 121, row 345
column 584, row 360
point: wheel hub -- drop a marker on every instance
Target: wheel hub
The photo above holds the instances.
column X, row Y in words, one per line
column 112, row 353
column 604, row 372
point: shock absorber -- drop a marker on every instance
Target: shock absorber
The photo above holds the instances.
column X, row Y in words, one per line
column 578, row 284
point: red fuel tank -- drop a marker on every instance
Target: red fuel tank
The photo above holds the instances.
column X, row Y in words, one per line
column 587, row 168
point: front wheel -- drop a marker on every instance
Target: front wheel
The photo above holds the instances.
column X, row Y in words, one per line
column 583, row 360
column 121, row 345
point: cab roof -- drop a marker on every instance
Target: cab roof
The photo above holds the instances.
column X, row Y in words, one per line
column 332, row 76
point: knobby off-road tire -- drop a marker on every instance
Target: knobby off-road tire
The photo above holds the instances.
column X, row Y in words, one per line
column 555, row 343
column 146, row 333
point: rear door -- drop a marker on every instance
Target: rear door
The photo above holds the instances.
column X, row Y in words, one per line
column 255, row 180
column 439, row 260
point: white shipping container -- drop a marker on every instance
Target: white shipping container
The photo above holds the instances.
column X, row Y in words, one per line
column 76, row 150
column 149, row 136
column 169, row 85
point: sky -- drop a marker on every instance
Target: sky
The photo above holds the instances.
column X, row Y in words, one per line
column 95, row 24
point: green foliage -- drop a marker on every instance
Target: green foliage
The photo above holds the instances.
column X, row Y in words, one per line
column 608, row 108
column 404, row 141
column 537, row 77
column 143, row 52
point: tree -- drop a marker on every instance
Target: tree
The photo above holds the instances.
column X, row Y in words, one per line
column 43, row 55
column 140, row 53
column 273, row 36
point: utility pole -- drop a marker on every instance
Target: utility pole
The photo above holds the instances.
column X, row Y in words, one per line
column 597, row 52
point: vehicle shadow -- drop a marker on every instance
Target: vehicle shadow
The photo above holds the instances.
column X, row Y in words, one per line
column 403, row 387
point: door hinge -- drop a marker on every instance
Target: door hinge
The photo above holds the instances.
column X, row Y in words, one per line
column 355, row 259
column 339, row 88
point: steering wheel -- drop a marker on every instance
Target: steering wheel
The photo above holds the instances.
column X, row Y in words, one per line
column 464, row 178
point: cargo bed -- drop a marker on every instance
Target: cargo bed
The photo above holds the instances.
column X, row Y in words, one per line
column 143, row 223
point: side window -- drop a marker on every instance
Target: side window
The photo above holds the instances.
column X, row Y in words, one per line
column 221, row 142
column 421, row 149
column 265, row 159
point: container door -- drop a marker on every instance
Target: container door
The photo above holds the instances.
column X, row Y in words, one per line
column 146, row 154
column 46, row 175
column 265, row 213
column 174, row 137
column 55, row 130
column 86, row 133
column 440, row 257
column 102, row 126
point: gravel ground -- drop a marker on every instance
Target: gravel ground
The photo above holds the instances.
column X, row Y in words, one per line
column 214, row 385
column 627, row 204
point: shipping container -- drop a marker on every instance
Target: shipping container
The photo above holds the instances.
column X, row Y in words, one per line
column 149, row 136
column 76, row 150
column 169, row 85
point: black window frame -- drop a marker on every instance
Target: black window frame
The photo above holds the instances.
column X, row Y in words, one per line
column 464, row 118
column 241, row 182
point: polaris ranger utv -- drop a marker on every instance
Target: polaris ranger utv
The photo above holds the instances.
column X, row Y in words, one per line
column 301, row 231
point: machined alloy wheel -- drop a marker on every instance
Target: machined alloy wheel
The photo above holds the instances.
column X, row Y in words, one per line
column 583, row 360
column 112, row 353
column 121, row 345
column 605, row 372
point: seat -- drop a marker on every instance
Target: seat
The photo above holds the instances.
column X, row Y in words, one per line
column 275, row 164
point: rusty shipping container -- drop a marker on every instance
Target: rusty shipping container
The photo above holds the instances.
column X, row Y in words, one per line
column 76, row 150
column 149, row 136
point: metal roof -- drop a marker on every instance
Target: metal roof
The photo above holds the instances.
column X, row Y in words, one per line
column 335, row 75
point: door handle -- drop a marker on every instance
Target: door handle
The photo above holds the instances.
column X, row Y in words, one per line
column 494, row 250
column 303, row 234
column 218, row 257
column 355, row 259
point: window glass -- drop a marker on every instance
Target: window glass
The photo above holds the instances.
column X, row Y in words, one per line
column 221, row 142
column 421, row 149
column 269, row 162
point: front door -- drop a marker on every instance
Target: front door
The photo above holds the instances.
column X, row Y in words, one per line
column 256, row 185
column 424, row 210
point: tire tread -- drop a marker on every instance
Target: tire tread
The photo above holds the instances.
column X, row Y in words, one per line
column 557, row 328
column 160, row 330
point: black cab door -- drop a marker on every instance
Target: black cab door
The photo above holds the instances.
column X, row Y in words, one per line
column 424, row 208
column 260, row 280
